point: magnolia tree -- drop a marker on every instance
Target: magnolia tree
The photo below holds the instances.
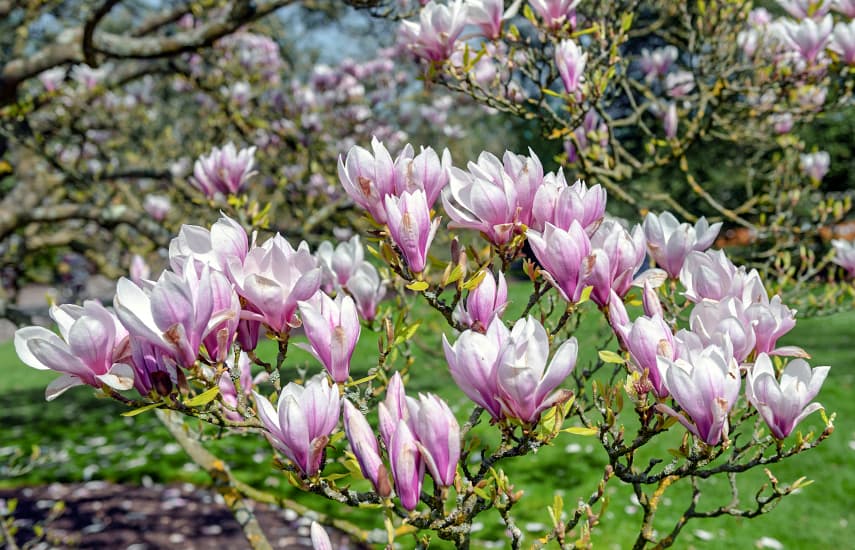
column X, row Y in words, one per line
column 109, row 150
column 692, row 355
column 693, row 107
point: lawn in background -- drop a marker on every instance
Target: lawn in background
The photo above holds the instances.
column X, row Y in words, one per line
column 79, row 437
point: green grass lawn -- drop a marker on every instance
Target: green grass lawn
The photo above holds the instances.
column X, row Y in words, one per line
column 80, row 437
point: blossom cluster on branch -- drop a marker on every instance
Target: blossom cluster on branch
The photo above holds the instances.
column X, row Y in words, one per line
column 189, row 341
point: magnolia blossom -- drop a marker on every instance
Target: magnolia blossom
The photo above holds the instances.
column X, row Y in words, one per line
column 785, row 403
column 555, row 13
column 616, row 255
column 846, row 7
column 139, row 270
column 488, row 16
column 425, row 171
column 365, row 448
column 367, row 289
column 706, row 386
column 669, row 241
column 368, row 178
column 562, row 255
column 226, row 241
column 658, row 62
column 570, row 62
column 808, row 37
column 843, row 41
column 407, row 465
column 224, row 171
column 410, row 226
column 679, row 83
column 439, row 26
column 320, row 538
column 300, row 425
column 724, row 321
column 53, row 78
column 339, row 264
column 525, row 382
column 155, row 370
column 179, row 312
column 646, row 339
column 844, row 255
column 332, row 327
column 801, row 9
column 273, row 278
column 484, row 303
column 710, row 275
column 560, row 204
column 437, row 436
column 815, row 165
column 670, row 121
column 157, row 206
column 483, row 199
column 472, row 361
column 92, row 349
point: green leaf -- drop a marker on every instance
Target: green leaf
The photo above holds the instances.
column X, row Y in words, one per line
column 203, row 398
column 581, row 430
column 418, row 286
column 607, row 356
column 455, row 275
column 141, row 410
column 586, row 295
column 475, row 280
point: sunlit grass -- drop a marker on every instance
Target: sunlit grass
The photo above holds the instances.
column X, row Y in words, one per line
column 80, row 437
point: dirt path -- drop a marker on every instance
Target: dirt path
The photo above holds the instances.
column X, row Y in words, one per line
column 106, row 516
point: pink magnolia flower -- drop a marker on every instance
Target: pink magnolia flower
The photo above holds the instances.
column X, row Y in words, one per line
column 488, row 16
column 669, row 241
column 710, row 275
column 408, row 467
column 782, row 122
column 494, row 196
column 844, row 255
column 706, row 386
column 473, row 363
column 670, row 121
column 320, row 538
column 155, row 370
column 140, row 270
column 679, row 83
column 367, row 289
column 658, row 62
column 339, row 264
column 783, row 404
column 484, row 303
column 560, row 204
column 437, row 436
column 647, row 339
column 368, row 178
column 815, row 165
column 439, row 26
column 224, row 242
column 555, row 13
column 616, row 255
column 364, row 444
column 843, row 41
column 562, row 255
column 846, row 7
column 525, row 382
column 410, row 227
column 273, row 278
column 157, row 206
column 724, row 323
column 92, row 349
column 808, row 37
column 300, row 425
column 570, row 62
column 224, row 171
column 53, row 78
column 424, row 171
column 179, row 312
column 332, row 327
column 802, row 9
